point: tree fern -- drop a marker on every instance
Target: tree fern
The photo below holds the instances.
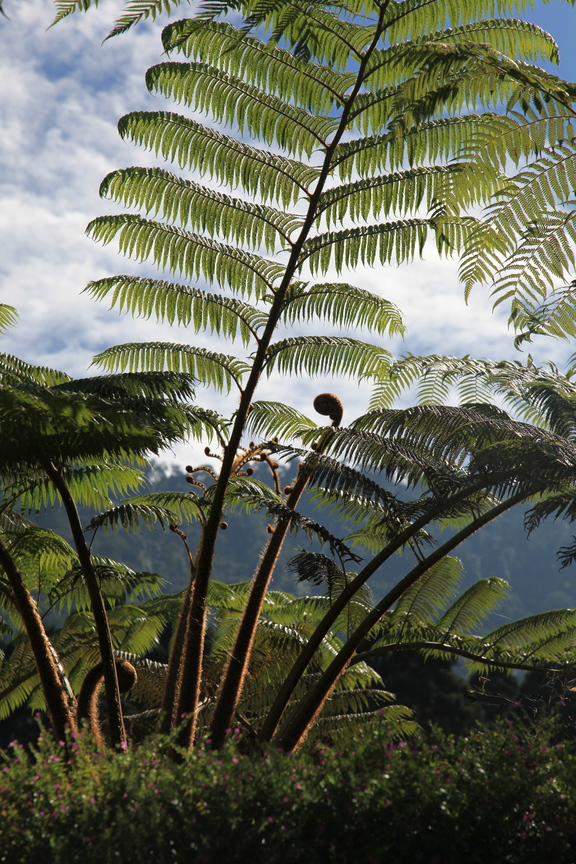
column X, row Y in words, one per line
column 374, row 127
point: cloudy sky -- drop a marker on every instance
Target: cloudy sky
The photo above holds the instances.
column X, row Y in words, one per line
column 61, row 96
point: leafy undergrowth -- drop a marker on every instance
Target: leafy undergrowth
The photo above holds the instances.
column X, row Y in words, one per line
column 506, row 794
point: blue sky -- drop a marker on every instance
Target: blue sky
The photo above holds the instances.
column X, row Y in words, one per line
column 62, row 94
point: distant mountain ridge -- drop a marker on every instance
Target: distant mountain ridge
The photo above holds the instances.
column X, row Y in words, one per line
column 501, row 549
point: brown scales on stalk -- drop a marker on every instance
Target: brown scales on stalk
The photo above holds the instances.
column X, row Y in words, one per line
column 88, row 708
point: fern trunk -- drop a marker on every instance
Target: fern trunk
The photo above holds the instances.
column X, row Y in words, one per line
column 54, row 688
column 291, row 681
column 235, row 672
column 106, row 646
column 173, row 684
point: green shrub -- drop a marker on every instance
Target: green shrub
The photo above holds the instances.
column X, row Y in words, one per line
column 504, row 795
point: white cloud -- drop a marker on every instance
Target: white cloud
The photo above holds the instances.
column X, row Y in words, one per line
column 63, row 94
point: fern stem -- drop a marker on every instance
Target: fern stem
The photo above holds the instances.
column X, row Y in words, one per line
column 423, row 645
column 239, row 659
column 56, row 693
column 309, row 707
column 106, row 646
column 171, row 694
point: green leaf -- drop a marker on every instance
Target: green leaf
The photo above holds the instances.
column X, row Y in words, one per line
column 176, row 200
column 431, row 593
column 221, row 157
column 474, row 605
column 344, row 306
column 183, row 252
column 316, row 88
column 232, row 101
column 8, row 317
column 163, row 509
column 268, row 420
column 325, row 355
column 396, row 242
column 180, row 304
column 217, row 370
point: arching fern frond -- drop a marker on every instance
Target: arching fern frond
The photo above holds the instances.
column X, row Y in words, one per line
column 269, row 420
column 13, row 370
column 177, row 200
column 232, row 101
column 325, row 355
column 222, row 157
column 430, row 594
column 391, row 242
column 316, row 88
column 152, row 510
column 180, row 304
column 474, row 605
column 8, row 317
column 183, row 252
column 344, row 305
column 218, row 370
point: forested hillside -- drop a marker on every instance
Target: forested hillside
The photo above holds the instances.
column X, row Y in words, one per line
column 502, row 549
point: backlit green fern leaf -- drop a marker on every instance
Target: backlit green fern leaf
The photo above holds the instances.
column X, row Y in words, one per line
column 270, row 420
column 440, row 139
column 159, row 192
column 183, row 252
column 222, row 157
column 144, row 511
column 218, row 370
column 527, row 631
column 431, row 593
column 474, row 605
column 399, row 192
column 345, row 305
column 324, row 355
column 556, row 316
column 12, row 369
column 316, row 88
column 180, row 304
column 230, row 100
column 8, row 317
column 391, row 242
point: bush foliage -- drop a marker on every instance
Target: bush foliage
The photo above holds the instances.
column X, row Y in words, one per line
column 503, row 795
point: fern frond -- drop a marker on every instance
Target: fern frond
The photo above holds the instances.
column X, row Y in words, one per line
column 343, row 305
column 402, row 192
column 183, row 252
column 147, row 511
column 325, row 355
column 396, row 242
column 14, row 370
column 145, row 390
column 269, row 420
column 219, row 156
column 436, row 140
column 526, row 631
column 231, row 100
column 218, row 370
column 316, row 88
column 160, row 192
column 117, row 583
column 431, row 593
column 555, row 317
column 276, row 509
column 180, row 304
column 8, row 317
column 473, row 606
column 135, row 11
